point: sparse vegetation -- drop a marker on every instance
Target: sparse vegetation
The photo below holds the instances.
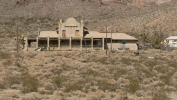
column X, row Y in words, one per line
column 57, row 73
column 4, row 55
column 74, row 75
column 12, row 80
column 58, row 81
column 105, row 85
column 133, row 86
column 72, row 87
column 29, row 83
column 2, row 85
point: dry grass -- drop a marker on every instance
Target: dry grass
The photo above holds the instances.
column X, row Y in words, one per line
column 75, row 75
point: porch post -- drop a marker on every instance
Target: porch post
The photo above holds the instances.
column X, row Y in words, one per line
column 70, row 43
column 92, row 43
column 81, row 43
column 103, row 43
column 26, row 44
column 58, row 43
column 37, row 39
column 48, row 43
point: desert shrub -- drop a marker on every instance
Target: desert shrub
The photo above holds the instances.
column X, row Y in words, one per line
column 2, row 85
column 11, row 80
column 166, row 79
column 7, row 63
column 127, row 61
column 4, row 55
column 64, row 66
column 29, row 21
column 49, row 87
column 105, row 85
column 172, row 64
column 9, row 23
column 52, row 60
column 123, row 96
column 57, row 71
column 72, row 87
column 150, row 63
column 148, row 73
column 67, row 55
column 32, row 55
column 119, row 72
column 102, row 60
column 29, row 83
column 18, row 64
column 142, row 58
column 133, row 86
column 113, row 61
column 91, row 72
column 58, row 81
column 160, row 68
column 160, row 95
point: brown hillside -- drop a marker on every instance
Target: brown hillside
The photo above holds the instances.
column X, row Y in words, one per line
column 124, row 15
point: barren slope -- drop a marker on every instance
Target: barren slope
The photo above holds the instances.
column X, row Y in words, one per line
column 125, row 15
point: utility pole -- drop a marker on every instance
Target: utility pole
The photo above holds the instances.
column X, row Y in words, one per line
column 106, row 36
column 160, row 38
column 17, row 38
column 111, row 40
column 111, row 35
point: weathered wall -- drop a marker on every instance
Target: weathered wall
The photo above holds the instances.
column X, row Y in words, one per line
column 70, row 27
column 131, row 45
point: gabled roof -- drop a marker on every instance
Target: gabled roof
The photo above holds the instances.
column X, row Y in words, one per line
column 52, row 34
column 172, row 38
column 115, row 36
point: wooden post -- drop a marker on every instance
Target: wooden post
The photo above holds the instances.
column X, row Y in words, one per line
column 58, row 43
column 92, row 43
column 37, row 42
column 70, row 43
column 103, row 43
column 48, row 46
column 81, row 44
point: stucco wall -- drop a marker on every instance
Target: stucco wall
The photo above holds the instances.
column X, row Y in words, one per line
column 70, row 27
column 130, row 44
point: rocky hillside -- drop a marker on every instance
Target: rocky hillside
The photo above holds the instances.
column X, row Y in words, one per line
column 132, row 16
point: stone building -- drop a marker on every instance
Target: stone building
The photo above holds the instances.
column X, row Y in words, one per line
column 72, row 35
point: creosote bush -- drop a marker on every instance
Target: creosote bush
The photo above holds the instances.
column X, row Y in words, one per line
column 72, row 87
column 127, row 61
column 102, row 60
column 105, row 85
column 4, row 55
column 11, row 80
column 133, row 86
column 150, row 63
column 2, row 85
column 159, row 95
column 56, row 71
column 119, row 72
column 7, row 63
column 91, row 72
column 58, row 81
column 29, row 83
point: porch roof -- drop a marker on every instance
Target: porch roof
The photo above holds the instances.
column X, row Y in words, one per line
column 51, row 34
column 172, row 38
column 115, row 36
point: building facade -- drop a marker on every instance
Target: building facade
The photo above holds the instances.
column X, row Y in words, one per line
column 72, row 35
